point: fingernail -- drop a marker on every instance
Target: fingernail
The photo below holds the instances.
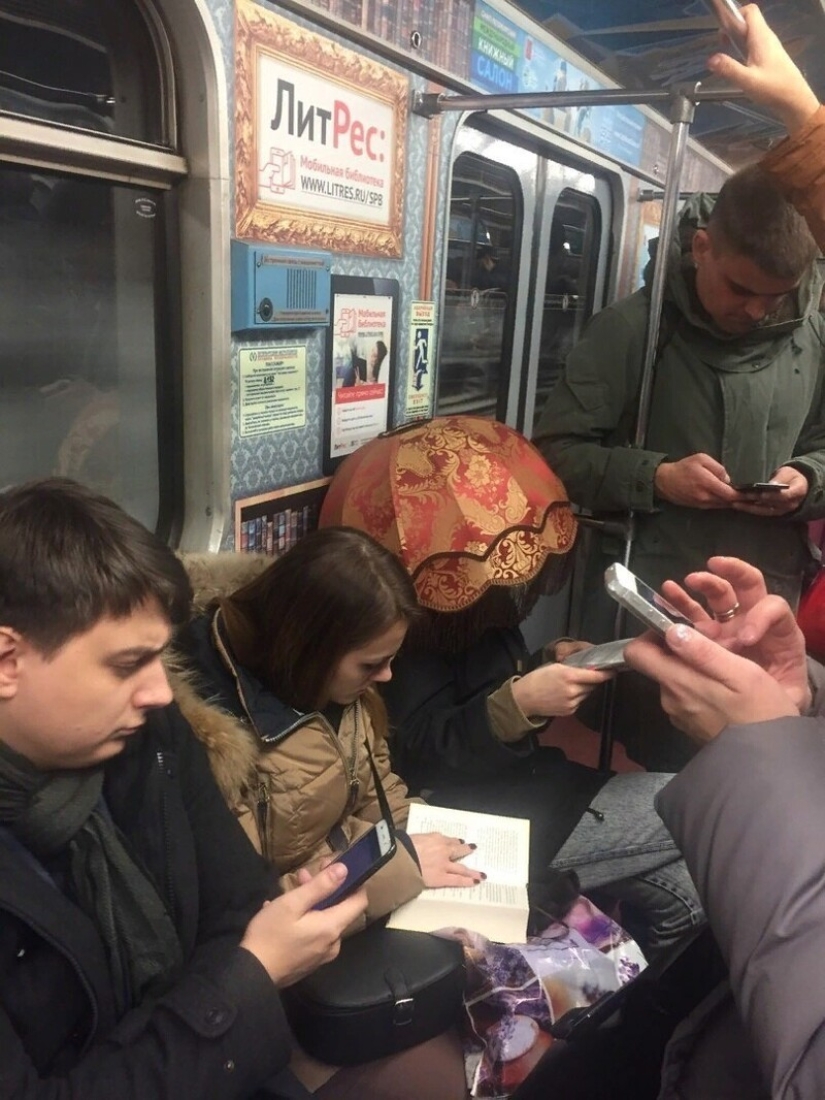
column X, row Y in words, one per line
column 473, row 846
column 483, row 876
column 462, row 841
column 680, row 633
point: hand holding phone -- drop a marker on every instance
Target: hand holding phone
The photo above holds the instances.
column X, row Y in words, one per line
column 732, row 22
column 641, row 600
column 362, row 859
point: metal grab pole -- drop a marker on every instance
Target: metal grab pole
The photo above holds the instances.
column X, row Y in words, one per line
column 682, row 110
column 429, row 104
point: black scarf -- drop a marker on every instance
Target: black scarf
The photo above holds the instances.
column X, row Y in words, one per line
column 52, row 812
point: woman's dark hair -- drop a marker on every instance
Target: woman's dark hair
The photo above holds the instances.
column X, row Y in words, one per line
column 335, row 591
column 501, row 607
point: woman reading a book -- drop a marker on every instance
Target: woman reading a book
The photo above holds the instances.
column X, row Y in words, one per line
column 295, row 654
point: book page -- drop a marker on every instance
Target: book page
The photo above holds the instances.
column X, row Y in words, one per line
column 497, row 907
column 502, row 925
column 503, row 843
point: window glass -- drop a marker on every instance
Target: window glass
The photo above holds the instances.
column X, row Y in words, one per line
column 479, row 297
column 79, row 332
column 568, row 292
column 83, row 64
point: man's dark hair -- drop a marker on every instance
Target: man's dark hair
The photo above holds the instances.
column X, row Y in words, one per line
column 69, row 557
column 752, row 218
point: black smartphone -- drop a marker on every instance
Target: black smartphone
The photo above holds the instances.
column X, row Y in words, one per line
column 761, row 487
column 641, row 600
column 362, row 859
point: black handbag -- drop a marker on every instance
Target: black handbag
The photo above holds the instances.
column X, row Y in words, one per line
column 387, row 990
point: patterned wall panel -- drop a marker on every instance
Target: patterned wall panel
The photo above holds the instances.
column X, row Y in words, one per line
column 289, row 457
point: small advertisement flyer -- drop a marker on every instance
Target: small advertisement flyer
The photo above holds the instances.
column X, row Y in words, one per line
column 422, row 357
column 273, row 389
column 361, row 358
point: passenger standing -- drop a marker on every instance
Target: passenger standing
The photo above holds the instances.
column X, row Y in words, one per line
column 737, row 398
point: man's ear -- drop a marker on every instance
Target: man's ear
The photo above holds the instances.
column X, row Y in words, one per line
column 11, row 645
column 701, row 246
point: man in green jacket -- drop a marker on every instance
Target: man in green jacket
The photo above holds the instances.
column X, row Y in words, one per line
column 737, row 399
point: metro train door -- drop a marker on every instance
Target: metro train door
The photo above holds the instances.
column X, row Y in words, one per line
column 518, row 219
column 574, row 263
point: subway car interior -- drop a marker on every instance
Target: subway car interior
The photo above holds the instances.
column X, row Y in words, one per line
column 127, row 132
column 241, row 239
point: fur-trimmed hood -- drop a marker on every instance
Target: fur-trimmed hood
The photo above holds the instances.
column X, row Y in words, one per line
column 230, row 744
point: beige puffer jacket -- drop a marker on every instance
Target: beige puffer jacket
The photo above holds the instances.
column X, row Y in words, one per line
column 307, row 792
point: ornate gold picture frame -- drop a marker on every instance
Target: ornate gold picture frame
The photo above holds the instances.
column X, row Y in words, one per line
column 320, row 140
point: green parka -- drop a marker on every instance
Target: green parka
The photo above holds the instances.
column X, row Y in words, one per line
column 753, row 402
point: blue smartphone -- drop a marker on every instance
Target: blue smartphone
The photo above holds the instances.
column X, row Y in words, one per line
column 362, row 859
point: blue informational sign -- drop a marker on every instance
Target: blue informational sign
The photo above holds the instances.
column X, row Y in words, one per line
column 506, row 58
column 496, row 51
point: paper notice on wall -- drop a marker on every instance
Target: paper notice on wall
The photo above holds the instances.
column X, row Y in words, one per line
column 418, row 398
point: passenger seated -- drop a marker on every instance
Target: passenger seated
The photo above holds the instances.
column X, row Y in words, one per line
column 142, row 940
column 466, row 704
column 466, row 700
column 296, row 654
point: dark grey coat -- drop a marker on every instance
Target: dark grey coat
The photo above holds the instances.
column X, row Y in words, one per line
column 753, row 402
column 749, row 816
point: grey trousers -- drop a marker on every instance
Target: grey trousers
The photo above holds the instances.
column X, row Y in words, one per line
column 628, row 850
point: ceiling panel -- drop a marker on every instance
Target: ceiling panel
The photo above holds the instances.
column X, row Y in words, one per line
column 660, row 43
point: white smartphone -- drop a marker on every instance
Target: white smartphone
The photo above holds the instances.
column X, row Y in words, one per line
column 362, row 859
column 607, row 657
column 731, row 21
column 641, row 600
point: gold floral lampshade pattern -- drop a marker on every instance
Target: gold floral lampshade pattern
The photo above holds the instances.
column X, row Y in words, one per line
column 464, row 502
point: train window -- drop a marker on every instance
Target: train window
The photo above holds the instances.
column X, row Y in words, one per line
column 89, row 386
column 485, row 225
column 568, row 292
column 79, row 333
column 88, row 65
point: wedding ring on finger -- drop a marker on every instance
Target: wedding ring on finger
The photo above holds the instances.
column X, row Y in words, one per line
column 726, row 616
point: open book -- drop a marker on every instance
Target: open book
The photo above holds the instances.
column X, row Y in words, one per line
column 498, row 907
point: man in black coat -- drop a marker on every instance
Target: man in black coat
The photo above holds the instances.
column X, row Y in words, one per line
column 142, row 940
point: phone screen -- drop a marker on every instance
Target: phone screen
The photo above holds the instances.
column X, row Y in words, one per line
column 362, row 859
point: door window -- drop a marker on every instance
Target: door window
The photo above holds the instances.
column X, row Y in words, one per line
column 568, row 294
column 482, row 259
column 89, row 387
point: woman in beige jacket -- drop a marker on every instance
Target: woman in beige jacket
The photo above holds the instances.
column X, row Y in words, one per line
column 294, row 656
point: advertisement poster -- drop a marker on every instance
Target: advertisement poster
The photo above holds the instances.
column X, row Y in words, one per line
column 273, row 389
column 320, row 140
column 361, row 363
column 505, row 58
column 422, row 361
